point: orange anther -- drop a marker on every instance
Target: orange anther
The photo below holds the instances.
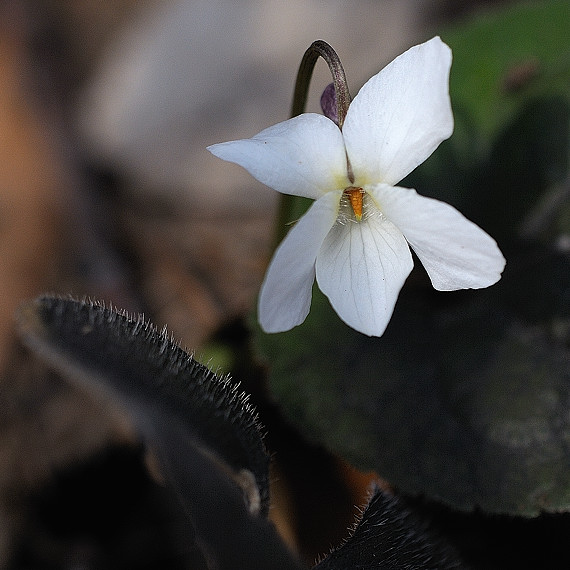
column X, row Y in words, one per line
column 355, row 195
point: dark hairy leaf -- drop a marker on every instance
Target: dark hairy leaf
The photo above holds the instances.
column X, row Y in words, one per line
column 205, row 435
column 390, row 537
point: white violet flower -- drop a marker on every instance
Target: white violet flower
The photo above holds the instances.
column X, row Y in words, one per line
column 355, row 237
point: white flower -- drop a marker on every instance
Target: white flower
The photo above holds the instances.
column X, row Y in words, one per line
column 355, row 237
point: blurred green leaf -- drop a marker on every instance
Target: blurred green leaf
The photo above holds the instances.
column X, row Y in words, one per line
column 520, row 187
column 504, row 57
column 528, row 159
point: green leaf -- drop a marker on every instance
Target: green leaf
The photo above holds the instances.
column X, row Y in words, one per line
column 520, row 188
column 528, row 160
column 504, row 57
column 463, row 400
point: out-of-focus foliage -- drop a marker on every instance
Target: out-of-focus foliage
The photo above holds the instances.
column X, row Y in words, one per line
column 502, row 59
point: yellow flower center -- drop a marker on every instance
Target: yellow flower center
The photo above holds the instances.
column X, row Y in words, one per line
column 355, row 196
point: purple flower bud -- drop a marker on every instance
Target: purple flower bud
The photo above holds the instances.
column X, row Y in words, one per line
column 328, row 103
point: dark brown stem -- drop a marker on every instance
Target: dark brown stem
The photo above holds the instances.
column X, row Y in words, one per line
column 289, row 206
column 318, row 49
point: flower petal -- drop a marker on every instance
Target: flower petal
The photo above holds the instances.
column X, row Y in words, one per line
column 361, row 268
column 401, row 115
column 304, row 156
column 285, row 296
column 456, row 253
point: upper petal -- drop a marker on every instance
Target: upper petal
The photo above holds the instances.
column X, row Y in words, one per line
column 456, row 253
column 401, row 115
column 304, row 156
column 286, row 291
column 361, row 268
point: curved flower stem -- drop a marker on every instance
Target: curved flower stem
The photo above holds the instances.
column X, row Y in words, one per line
column 291, row 207
column 324, row 50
